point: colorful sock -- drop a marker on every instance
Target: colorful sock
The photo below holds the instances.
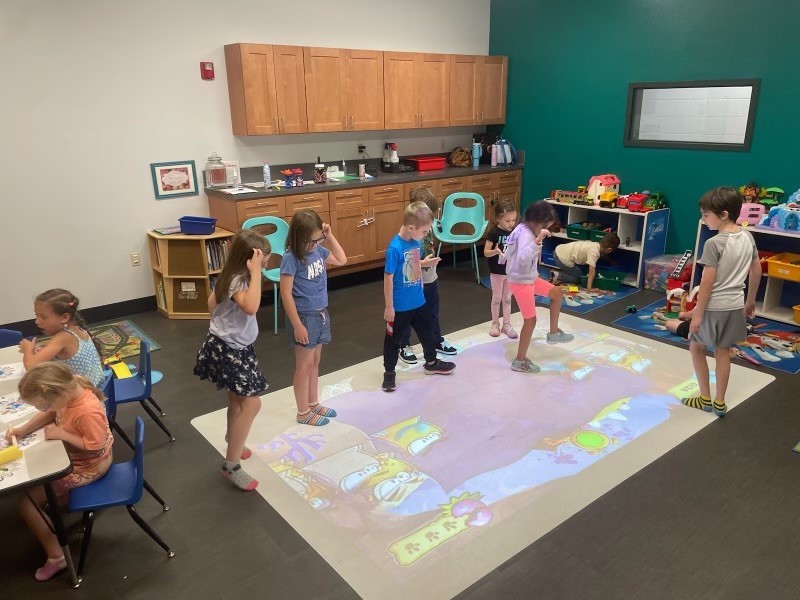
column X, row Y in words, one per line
column 312, row 418
column 246, row 452
column 719, row 408
column 233, row 472
column 699, row 401
column 322, row 410
column 52, row 567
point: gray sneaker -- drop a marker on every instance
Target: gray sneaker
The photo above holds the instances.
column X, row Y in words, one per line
column 559, row 337
column 524, row 366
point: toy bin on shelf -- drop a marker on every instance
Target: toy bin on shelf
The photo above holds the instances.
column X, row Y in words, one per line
column 658, row 269
column 796, row 309
column 197, row 225
column 784, row 266
column 764, row 256
column 577, row 232
column 596, row 235
column 605, row 280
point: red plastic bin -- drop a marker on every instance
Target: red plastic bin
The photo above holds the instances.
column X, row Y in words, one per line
column 428, row 163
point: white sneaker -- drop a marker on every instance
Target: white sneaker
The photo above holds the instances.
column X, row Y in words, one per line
column 407, row 355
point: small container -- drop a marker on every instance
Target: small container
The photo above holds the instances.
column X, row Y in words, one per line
column 320, row 174
column 428, row 163
column 216, row 172
column 362, row 171
column 297, row 174
column 197, row 225
column 267, row 176
column 494, row 155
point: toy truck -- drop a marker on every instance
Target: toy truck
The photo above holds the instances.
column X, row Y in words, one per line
column 655, row 201
column 635, row 202
column 608, row 200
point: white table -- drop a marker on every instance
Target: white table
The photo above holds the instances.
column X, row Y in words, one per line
column 7, row 356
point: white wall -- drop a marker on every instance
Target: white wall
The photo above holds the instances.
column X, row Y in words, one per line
column 94, row 91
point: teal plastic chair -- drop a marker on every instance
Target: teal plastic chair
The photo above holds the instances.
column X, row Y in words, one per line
column 453, row 215
column 277, row 240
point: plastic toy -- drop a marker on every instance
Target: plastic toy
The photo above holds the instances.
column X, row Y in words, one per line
column 634, row 202
column 682, row 272
column 568, row 197
column 785, row 216
column 655, row 201
column 771, row 197
column 608, row 200
column 751, row 214
column 679, row 300
column 632, row 309
column 600, row 184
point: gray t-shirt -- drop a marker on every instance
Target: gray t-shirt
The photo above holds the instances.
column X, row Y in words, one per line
column 731, row 254
column 310, row 287
column 230, row 323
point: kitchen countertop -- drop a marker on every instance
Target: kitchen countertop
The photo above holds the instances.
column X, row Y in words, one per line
column 381, row 179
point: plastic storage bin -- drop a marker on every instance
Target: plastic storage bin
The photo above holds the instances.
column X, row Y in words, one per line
column 796, row 309
column 596, row 235
column 658, row 269
column 784, row 266
column 428, row 163
column 197, row 225
column 577, row 232
column 605, row 280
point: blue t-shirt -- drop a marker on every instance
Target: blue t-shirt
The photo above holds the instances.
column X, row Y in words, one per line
column 402, row 260
column 310, row 289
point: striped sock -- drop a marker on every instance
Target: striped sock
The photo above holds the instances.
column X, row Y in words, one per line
column 699, row 401
column 719, row 408
column 322, row 410
column 311, row 418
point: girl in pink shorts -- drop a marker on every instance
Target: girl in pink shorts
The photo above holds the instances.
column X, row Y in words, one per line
column 522, row 260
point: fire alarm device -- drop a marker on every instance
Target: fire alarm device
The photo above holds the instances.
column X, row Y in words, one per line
column 207, row 70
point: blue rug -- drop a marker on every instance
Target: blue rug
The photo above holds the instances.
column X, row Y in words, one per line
column 576, row 304
column 643, row 323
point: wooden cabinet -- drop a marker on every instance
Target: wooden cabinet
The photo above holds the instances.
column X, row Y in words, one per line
column 317, row 201
column 386, row 194
column 350, row 227
column 496, row 186
column 344, row 89
column 428, row 184
column 478, row 89
column 386, row 222
column 416, row 90
column 266, row 89
column 184, row 267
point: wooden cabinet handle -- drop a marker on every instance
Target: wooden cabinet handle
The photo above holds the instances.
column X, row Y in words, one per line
column 283, row 127
column 475, row 117
column 309, row 198
column 261, row 203
column 421, row 119
column 389, row 190
column 416, row 120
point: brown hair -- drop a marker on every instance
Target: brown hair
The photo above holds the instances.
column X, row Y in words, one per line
column 51, row 380
column 722, row 199
column 426, row 196
column 63, row 302
column 502, row 207
column 240, row 252
column 610, row 240
column 304, row 223
column 417, row 214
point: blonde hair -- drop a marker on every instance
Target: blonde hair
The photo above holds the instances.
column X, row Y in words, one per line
column 418, row 214
column 50, row 380
column 426, row 196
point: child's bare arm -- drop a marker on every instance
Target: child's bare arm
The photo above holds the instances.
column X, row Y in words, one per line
column 32, row 356
column 489, row 249
column 590, row 277
column 752, row 287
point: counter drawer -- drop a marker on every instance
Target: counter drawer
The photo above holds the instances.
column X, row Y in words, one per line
column 317, row 201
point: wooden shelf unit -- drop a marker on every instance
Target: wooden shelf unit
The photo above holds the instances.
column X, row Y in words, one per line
column 178, row 261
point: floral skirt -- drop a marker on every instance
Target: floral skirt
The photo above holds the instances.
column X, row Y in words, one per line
column 234, row 370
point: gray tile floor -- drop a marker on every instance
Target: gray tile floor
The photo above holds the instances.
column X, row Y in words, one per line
column 714, row 518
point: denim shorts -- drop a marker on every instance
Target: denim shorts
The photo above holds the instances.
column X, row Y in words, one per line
column 318, row 324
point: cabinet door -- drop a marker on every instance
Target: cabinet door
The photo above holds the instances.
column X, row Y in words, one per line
column 364, row 85
column 274, row 207
column 290, row 89
column 388, row 220
column 428, row 184
column 492, row 90
column 464, row 78
column 400, row 90
column 489, row 199
column 433, row 77
column 510, row 193
column 445, row 187
column 317, row 202
column 348, row 226
column 346, row 199
column 386, row 194
column 251, row 89
column 326, row 100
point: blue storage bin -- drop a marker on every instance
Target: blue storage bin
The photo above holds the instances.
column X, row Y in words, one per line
column 197, row 225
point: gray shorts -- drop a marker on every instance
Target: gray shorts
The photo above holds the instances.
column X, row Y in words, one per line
column 721, row 328
column 318, row 324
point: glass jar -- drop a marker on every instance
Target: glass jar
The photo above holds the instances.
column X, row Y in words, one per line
column 216, row 173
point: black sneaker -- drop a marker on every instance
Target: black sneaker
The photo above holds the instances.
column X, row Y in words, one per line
column 439, row 367
column 407, row 355
column 444, row 347
column 388, row 382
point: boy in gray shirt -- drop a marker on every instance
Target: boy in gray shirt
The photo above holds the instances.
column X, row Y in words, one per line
column 719, row 319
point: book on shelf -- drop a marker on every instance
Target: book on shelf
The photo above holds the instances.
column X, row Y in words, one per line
column 172, row 229
column 162, row 296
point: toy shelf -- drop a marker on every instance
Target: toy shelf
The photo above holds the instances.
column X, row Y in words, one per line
column 181, row 266
column 647, row 232
column 776, row 296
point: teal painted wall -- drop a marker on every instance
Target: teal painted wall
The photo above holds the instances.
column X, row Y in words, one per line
column 570, row 63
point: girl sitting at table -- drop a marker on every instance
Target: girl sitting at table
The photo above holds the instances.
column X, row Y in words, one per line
column 57, row 316
column 72, row 410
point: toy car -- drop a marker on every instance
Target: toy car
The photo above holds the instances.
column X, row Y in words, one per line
column 751, row 214
column 655, row 201
column 584, row 200
column 634, row 202
column 608, row 200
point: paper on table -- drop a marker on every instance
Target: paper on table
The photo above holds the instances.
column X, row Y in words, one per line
column 13, row 473
column 12, row 408
column 11, row 371
column 29, row 440
column 243, row 190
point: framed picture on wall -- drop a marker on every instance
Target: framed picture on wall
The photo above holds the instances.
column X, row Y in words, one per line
column 174, row 179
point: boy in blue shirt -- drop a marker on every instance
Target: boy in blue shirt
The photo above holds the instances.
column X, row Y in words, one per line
column 404, row 298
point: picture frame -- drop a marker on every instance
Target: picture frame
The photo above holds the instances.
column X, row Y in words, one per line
column 174, row 179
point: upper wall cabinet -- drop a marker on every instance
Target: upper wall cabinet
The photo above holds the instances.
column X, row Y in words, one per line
column 266, row 89
column 416, row 88
column 344, row 89
column 478, row 89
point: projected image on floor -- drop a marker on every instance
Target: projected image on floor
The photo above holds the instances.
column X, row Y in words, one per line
column 427, row 468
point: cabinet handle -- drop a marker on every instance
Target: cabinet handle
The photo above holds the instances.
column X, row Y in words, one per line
column 347, row 195
column 481, row 116
column 416, row 120
column 389, row 190
column 309, row 198
column 351, row 121
column 421, row 119
column 261, row 203
column 283, row 127
column 475, row 117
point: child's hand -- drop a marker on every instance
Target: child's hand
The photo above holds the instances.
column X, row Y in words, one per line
column 326, row 230
column 542, row 234
column 750, row 309
column 301, row 334
column 53, row 432
column 388, row 315
column 9, row 434
column 254, row 262
column 430, row 261
column 694, row 326
column 27, row 346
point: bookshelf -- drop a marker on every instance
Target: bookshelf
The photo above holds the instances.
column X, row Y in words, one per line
column 185, row 268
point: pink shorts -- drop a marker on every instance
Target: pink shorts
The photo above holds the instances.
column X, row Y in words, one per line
column 525, row 295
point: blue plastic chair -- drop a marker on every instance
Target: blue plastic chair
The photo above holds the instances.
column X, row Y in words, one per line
column 9, row 337
column 139, row 388
column 121, row 485
column 453, row 215
column 277, row 240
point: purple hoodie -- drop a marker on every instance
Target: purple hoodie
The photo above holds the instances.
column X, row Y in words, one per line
column 521, row 255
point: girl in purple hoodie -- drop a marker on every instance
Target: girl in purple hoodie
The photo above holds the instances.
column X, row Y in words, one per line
column 521, row 257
